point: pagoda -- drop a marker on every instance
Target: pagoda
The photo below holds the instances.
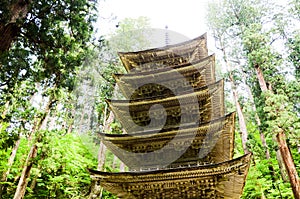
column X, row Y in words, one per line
column 179, row 142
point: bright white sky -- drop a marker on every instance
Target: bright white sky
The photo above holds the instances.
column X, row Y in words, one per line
column 185, row 17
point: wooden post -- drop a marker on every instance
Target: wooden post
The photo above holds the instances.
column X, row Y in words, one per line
column 289, row 164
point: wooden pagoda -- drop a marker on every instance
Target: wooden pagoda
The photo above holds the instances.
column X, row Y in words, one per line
column 179, row 142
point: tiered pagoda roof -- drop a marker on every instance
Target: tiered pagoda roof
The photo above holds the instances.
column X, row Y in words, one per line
column 152, row 149
column 166, row 80
column 179, row 143
column 187, row 52
column 202, row 105
column 215, row 181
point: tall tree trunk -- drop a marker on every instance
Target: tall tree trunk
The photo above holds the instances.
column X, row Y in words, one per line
column 92, row 118
column 14, row 150
column 101, row 156
column 261, row 79
column 34, row 181
column 70, row 128
column 81, row 122
column 258, row 121
column 283, row 173
column 21, row 188
column 242, row 122
column 10, row 29
column 42, row 157
column 285, row 153
column 289, row 163
column 69, row 125
column 262, row 136
column 102, row 148
column 20, row 192
column 10, row 163
column 96, row 189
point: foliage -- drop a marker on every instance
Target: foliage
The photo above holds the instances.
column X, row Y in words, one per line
column 63, row 173
column 50, row 42
column 250, row 33
column 131, row 35
column 61, row 167
column 16, row 169
column 259, row 183
column 293, row 44
column 38, row 65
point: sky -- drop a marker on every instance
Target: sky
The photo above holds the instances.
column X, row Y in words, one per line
column 185, row 17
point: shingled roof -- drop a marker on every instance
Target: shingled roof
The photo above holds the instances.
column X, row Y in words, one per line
column 224, row 180
column 186, row 52
column 169, row 81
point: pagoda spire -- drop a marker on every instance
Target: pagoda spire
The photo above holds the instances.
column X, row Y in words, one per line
column 167, row 39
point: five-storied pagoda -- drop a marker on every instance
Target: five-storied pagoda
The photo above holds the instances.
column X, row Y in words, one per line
column 179, row 142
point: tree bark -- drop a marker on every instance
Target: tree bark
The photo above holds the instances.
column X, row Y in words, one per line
column 102, row 149
column 96, row 189
column 21, row 188
column 289, row 164
column 10, row 29
column 69, row 125
column 34, row 181
column 261, row 79
column 10, row 163
column 263, row 139
column 285, row 152
column 20, row 192
column 258, row 121
column 282, row 167
column 101, row 156
column 242, row 122
column 81, row 122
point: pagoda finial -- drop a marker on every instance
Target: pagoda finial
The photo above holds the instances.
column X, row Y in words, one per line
column 167, row 40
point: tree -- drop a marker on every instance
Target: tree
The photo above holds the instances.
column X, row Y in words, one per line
column 44, row 42
column 247, row 24
column 131, row 34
